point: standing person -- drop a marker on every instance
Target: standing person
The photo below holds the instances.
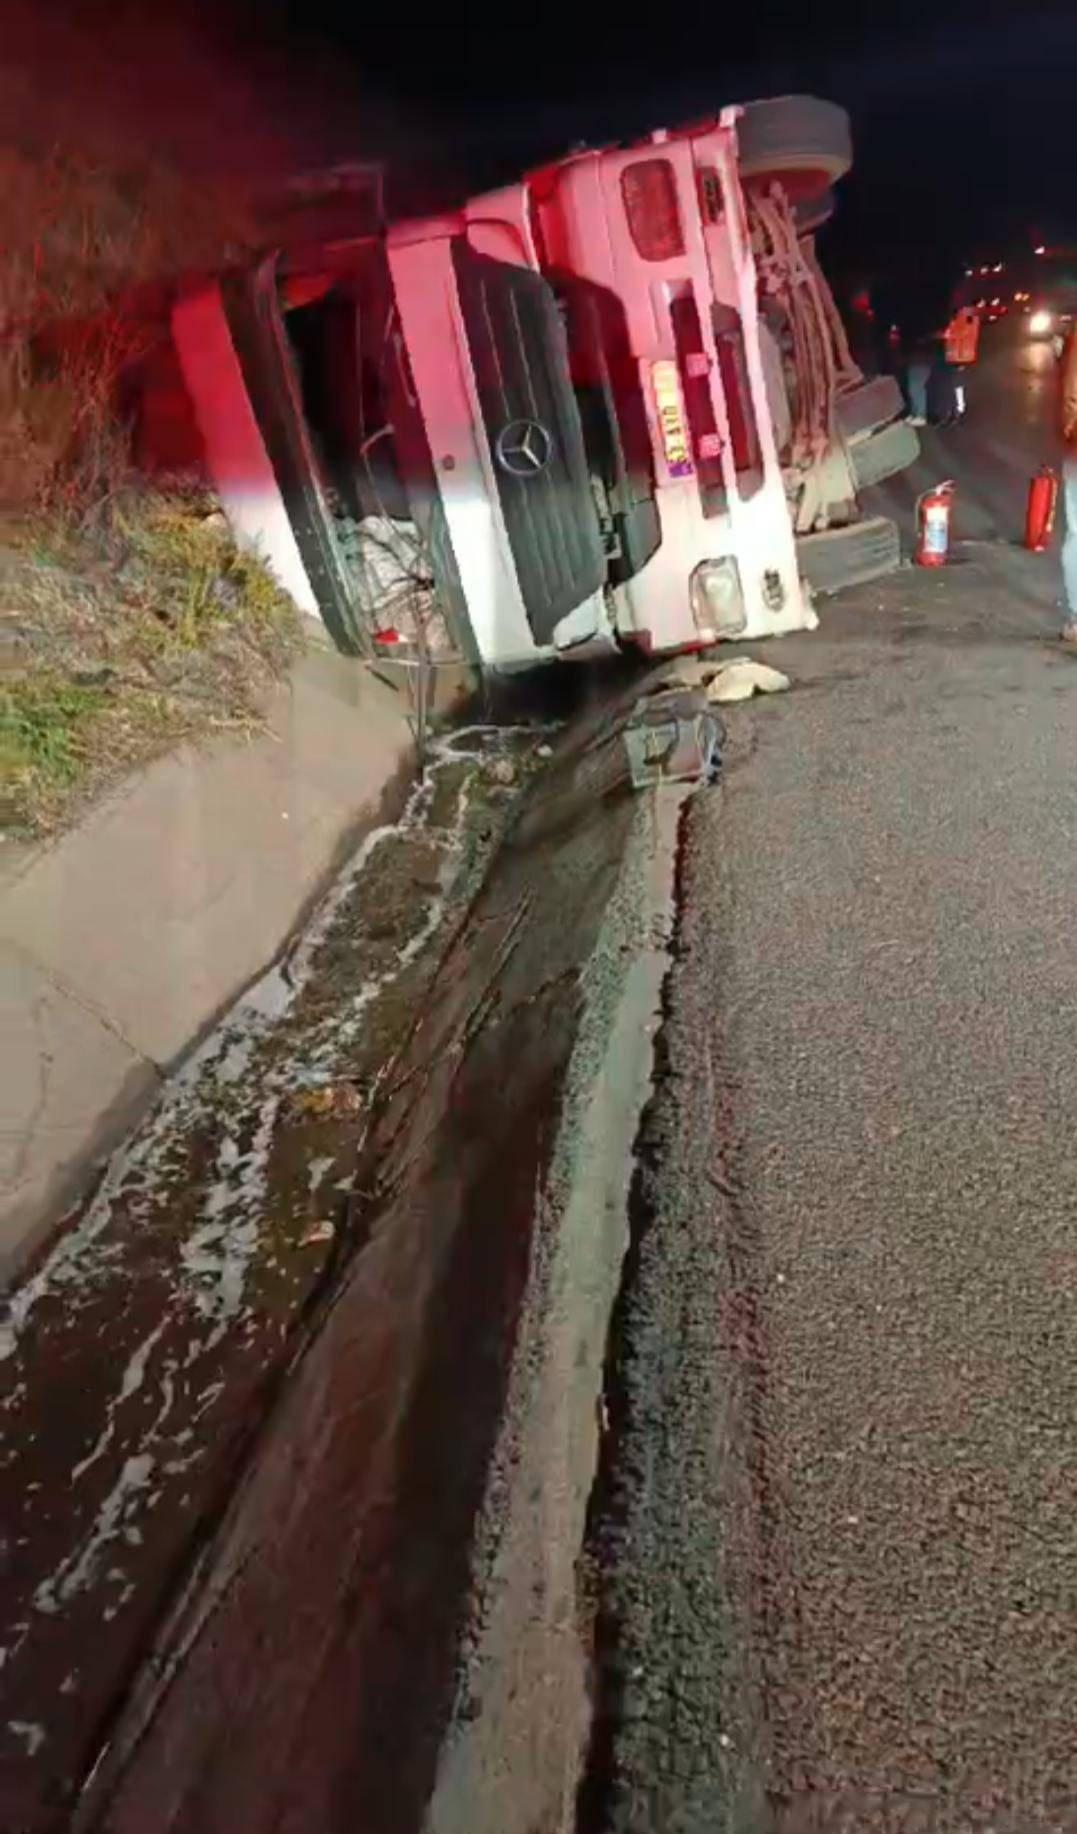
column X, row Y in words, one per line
column 1069, row 490
column 922, row 371
column 963, row 337
column 917, row 376
column 961, row 345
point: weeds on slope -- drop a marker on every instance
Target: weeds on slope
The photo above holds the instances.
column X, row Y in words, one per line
column 122, row 640
column 128, row 619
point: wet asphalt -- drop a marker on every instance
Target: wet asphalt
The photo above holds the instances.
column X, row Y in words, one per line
column 841, row 1547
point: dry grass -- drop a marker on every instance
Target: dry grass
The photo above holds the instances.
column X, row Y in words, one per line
column 77, row 236
column 119, row 643
column 128, row 620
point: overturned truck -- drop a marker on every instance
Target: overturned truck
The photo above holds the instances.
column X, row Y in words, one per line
column 609, row 404
column 438, row 427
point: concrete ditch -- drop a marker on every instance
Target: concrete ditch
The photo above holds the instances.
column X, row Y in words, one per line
column 521, row 1722
column 140, row 1358
column 392, row 1619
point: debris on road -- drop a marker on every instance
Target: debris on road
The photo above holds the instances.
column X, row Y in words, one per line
column 725, row 682
column 330, row 1102
column 672, row 737
column 317, row 1233
column 741, row 678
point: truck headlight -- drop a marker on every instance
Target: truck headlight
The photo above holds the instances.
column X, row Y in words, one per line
column 717, row 599
column 1040, row 324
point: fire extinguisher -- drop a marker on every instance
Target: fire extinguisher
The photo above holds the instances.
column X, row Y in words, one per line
column 1042, row 503
column 933, row 525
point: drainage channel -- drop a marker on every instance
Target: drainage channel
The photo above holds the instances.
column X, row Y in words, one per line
column 370, row 1654
column 531, row 1699
column 408, row 1612
column 142, row 1360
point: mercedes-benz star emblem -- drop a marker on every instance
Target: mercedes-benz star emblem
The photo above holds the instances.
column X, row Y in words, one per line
column 524, row 448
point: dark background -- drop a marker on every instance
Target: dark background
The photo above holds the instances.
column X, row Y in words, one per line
column 964, row 116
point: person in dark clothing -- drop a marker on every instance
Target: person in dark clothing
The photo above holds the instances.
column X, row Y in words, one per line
column 920, row 361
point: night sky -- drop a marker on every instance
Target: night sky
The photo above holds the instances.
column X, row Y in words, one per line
column 965, row 116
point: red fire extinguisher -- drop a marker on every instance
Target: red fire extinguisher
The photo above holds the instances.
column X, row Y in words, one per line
column 933, row 525
column 1042, row 503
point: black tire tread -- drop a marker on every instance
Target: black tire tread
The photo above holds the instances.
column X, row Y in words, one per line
column 849, row 556
column 794, row 133
column 861, row 411
column 884, row 454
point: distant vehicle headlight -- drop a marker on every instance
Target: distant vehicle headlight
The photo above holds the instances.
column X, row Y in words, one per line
column 1040, row 323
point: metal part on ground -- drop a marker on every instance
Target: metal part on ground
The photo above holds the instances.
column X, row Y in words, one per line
column 673, row 736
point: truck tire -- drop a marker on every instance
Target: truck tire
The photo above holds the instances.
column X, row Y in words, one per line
column 865, row 409
column 883, row 454
column 812, row 212
column 800, row 138
column 846, row 557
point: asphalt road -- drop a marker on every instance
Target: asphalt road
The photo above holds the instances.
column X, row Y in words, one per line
column 1009, row 430
column 840, row 1539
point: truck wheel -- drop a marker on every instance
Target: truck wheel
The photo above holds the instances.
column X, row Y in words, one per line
column 846, row 557
column 812, row 212
column 801, row 139
column 883, row 454
column 871, row 406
